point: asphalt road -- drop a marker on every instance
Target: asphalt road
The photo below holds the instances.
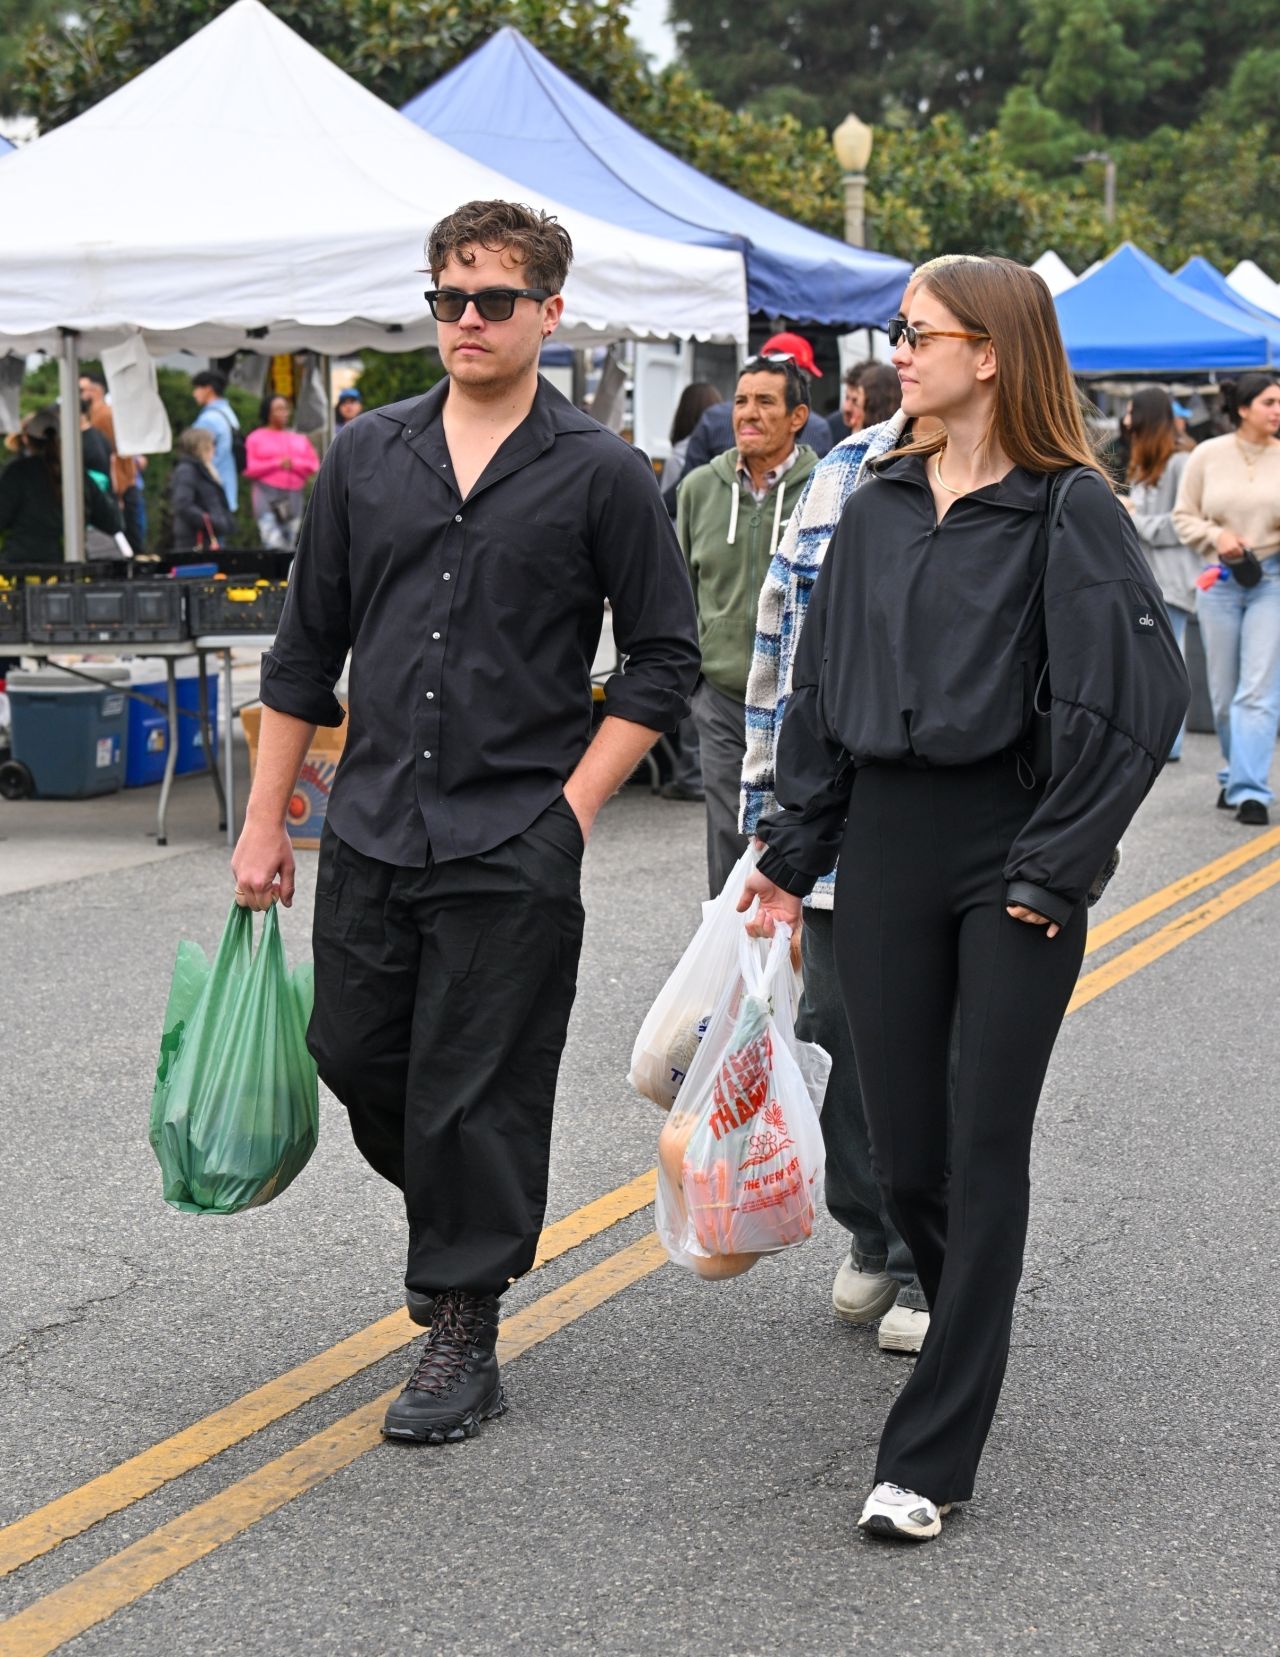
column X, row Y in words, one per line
column 683, row 1463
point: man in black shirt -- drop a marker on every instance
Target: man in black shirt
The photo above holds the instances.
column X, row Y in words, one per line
column 461, row 546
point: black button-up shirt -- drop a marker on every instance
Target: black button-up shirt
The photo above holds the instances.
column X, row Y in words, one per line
column 472, row 625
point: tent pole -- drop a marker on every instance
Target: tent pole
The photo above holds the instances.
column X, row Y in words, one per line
column 326, row 380
column 71, row 453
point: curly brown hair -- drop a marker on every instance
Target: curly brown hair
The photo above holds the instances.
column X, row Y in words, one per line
column 542, row 244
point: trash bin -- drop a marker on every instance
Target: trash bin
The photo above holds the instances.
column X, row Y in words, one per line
column 70, row 734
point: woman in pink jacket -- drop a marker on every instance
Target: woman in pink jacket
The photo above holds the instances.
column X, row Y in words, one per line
column 278, row 462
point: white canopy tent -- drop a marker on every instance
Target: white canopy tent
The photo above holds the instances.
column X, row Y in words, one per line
column 1253, row 284
column 290, row 215
column 1056, row 272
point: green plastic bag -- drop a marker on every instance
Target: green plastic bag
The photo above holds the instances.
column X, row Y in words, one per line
column 235, row 1113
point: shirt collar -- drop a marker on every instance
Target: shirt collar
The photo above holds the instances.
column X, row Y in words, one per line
column 772, row 478
column 551, row 415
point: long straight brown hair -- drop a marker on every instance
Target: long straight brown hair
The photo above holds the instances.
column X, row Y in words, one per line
column 1153, row 436
column 1037, row 420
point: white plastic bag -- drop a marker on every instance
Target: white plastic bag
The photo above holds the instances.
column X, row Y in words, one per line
column 740, row 1159
column 674, row 1025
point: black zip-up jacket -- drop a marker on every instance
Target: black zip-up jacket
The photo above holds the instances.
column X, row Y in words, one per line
column 194, row 494
column 923, row 644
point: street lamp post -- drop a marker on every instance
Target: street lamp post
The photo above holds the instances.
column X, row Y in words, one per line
column 852, row 141
column 1108, row 181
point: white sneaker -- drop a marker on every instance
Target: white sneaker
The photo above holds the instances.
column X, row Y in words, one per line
column 903, row 1329
column 862, row 1297
column 892, row 1511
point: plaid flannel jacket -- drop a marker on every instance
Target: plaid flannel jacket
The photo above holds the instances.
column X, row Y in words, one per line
column 780, row 616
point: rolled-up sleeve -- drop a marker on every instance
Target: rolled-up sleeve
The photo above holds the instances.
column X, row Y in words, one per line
column 645, row 579
column 314, row 635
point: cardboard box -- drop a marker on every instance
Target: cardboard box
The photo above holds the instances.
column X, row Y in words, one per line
column 310, row 799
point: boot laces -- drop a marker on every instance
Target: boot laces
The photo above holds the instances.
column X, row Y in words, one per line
column 444, row 1355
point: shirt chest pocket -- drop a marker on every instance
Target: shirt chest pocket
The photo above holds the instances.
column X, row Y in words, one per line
column 524, row 566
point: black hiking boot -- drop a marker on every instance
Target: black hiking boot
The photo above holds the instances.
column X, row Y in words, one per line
column 455, row 1385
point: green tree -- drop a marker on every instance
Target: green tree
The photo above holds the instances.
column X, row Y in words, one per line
column 939, row 190
column 920, row 55
column 1211, row 190
column 1124, row 67
column 17, row 18
column 391, row 376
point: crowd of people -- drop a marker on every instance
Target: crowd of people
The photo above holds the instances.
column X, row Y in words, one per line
column 211, row 457
column 1207, row 515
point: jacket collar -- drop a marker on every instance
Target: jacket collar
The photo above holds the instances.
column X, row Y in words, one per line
column 1019, row 489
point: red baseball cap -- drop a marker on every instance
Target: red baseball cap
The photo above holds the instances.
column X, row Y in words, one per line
column 792, row 345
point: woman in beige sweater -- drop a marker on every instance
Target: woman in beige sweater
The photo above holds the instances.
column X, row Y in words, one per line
column 1229, row 505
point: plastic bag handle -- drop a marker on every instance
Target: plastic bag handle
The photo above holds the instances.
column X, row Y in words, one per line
column 760, row 978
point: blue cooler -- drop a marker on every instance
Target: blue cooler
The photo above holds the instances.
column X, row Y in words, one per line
column 149, row 727
column 191, row 754
column 71, row 735
column 148, row 743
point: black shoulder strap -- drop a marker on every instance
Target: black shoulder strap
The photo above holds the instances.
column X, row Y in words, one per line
column 1059, row 488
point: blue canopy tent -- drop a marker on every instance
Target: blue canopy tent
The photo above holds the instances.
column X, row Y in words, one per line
column 509, row 106
column 1129, row 316
column 1199, row 275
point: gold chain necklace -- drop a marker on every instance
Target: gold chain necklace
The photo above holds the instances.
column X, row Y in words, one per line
column 937, row 472
column 1250, row 460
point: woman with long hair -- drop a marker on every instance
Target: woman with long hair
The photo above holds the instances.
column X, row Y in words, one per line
column 694, row 402
column 198, row 502
column 1156, row 463
column 983, row 572
column 278, row 463
column 1228, row 511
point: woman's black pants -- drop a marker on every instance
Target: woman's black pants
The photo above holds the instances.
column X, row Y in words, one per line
column 920, row 927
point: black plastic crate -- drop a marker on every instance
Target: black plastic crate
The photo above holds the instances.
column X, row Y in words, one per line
column 233, row 606
column 129, row 612
column 11, row 614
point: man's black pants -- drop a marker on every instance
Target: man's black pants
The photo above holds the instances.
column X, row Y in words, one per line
column 921, row 928
column 442, row 1002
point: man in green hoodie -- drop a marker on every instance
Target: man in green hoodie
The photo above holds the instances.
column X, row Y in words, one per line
column 730, row 515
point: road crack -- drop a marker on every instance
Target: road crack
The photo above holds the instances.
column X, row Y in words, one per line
column 31, row 1342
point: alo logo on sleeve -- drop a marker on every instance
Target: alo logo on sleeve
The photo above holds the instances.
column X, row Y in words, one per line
column 1143, row 620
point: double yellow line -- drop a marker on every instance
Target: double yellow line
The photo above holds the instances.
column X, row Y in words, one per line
column 128, row 1575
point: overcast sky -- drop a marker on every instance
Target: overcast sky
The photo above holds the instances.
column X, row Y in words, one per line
column 649, row 25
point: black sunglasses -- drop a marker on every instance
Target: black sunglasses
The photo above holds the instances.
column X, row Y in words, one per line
column 493, row 304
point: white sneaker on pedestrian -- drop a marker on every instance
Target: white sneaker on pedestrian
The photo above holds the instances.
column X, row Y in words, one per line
column 862, row 1297
column 903, row 1329
column 894, row 1512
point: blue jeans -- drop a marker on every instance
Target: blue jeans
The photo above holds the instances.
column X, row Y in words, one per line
column 1178, row 622
column 1240, row 627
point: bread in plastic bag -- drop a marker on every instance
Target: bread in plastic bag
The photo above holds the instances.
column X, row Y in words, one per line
column 740, row 1158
